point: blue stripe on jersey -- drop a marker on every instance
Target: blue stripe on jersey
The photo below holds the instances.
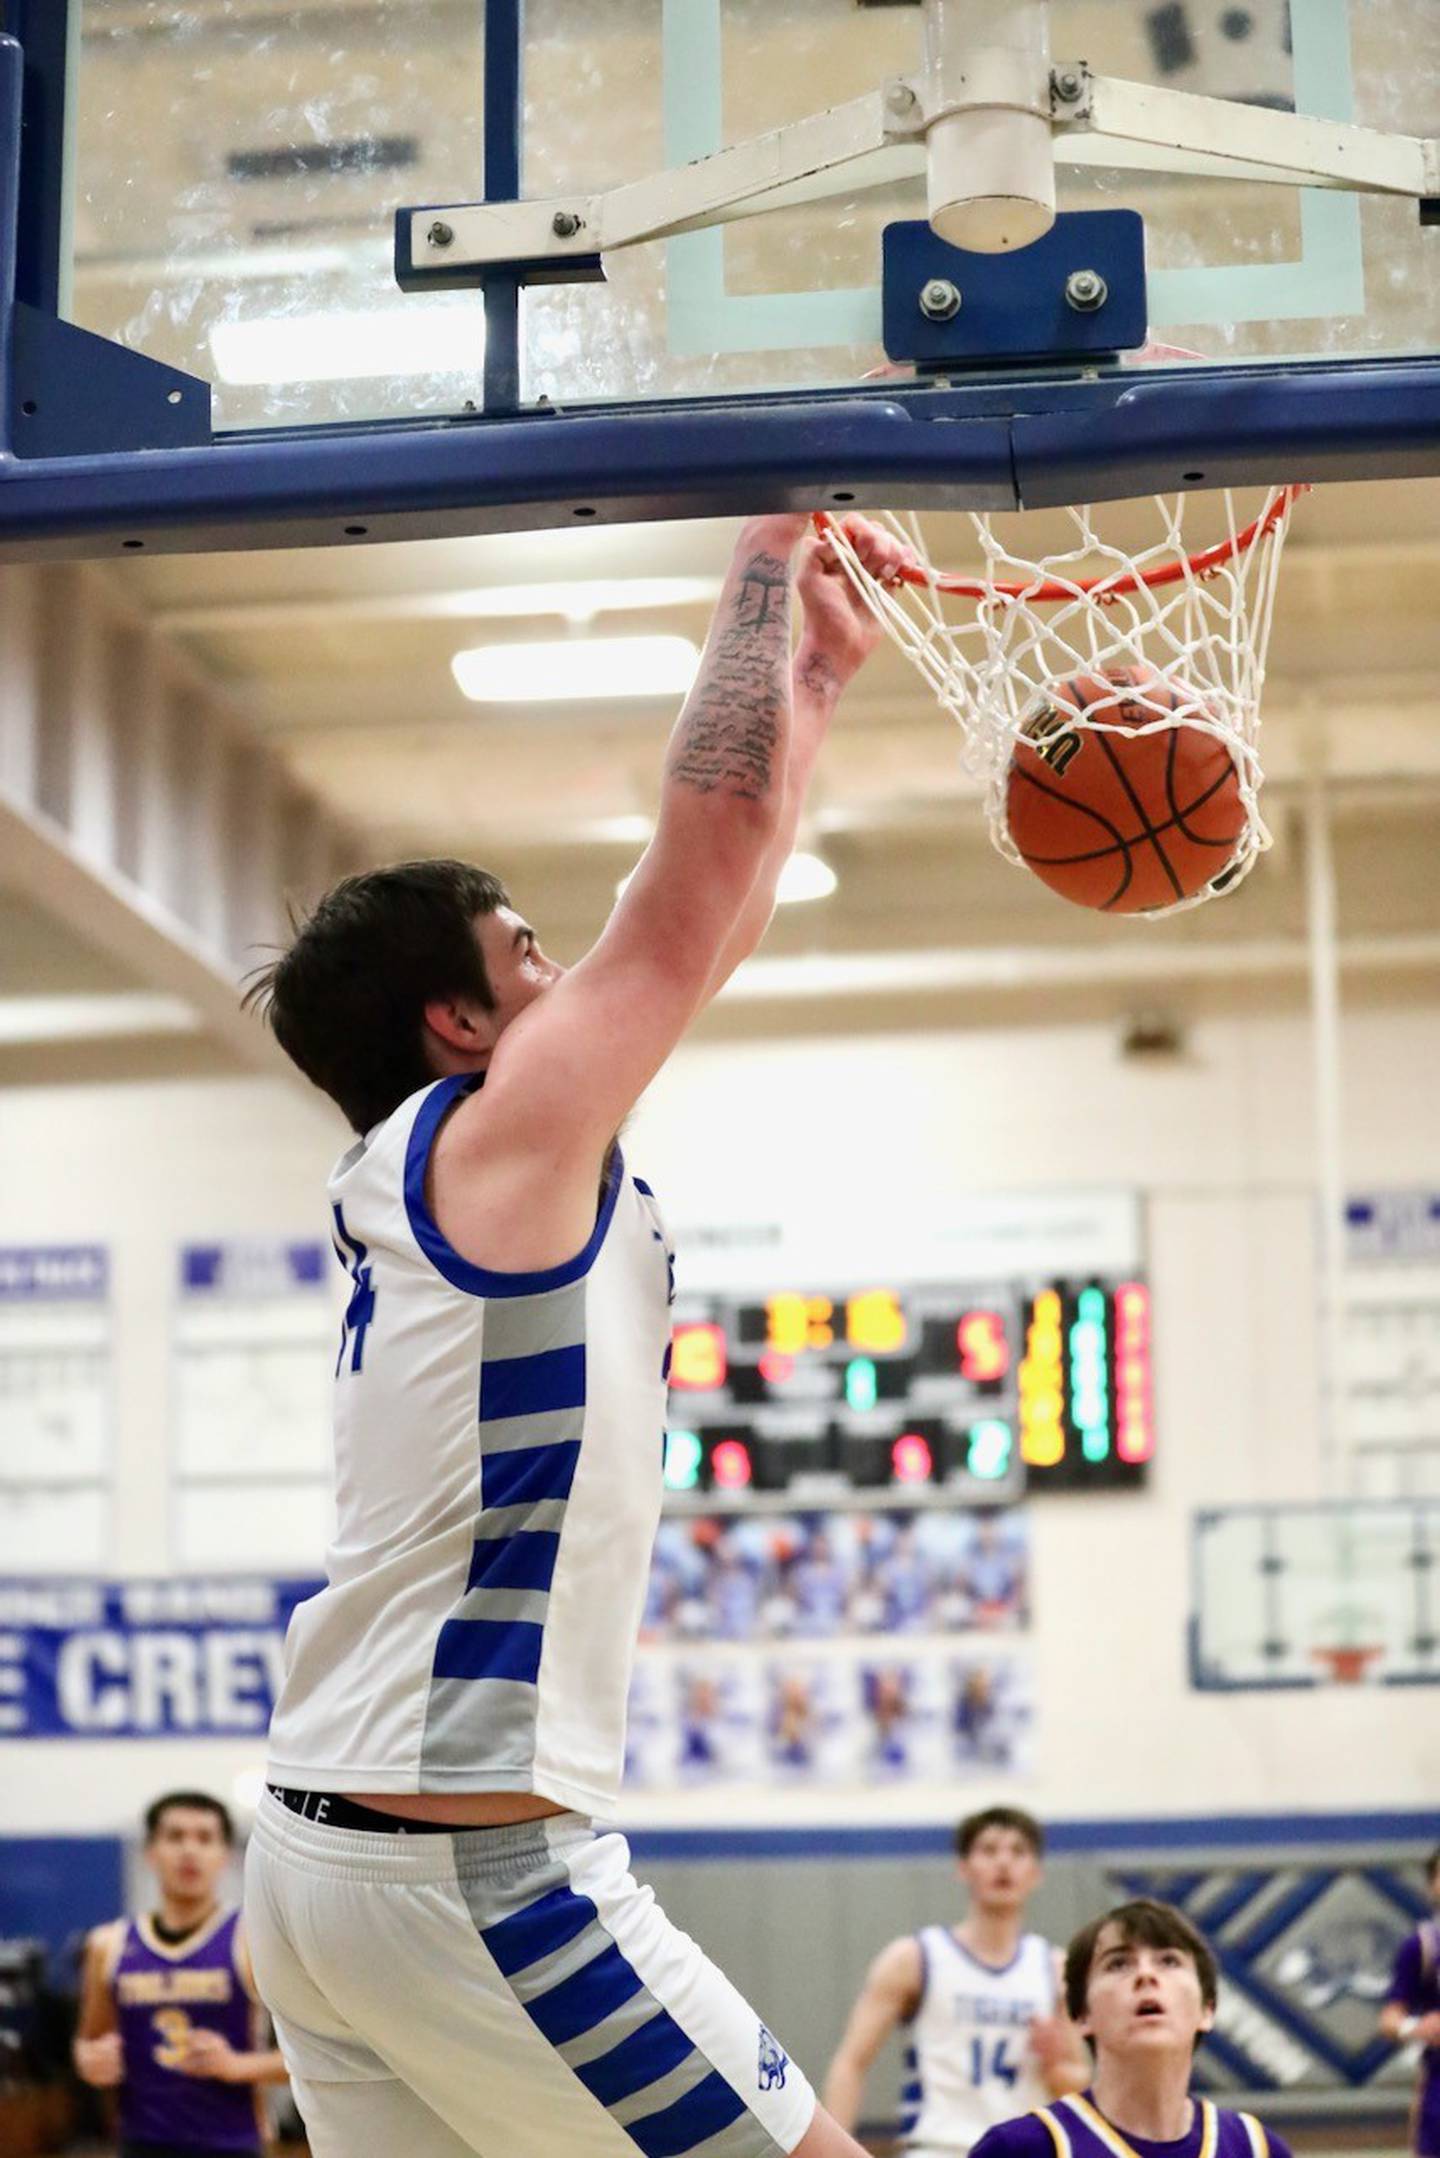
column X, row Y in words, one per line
column 641, row 2059
column 577, row 2004
column 489, row 1648
column 529, row 1474
column 700, row 2114
column 606, row 1998
column 525, row 1560
column 542, row 1927
column 463, row 1273
column 529, row 1385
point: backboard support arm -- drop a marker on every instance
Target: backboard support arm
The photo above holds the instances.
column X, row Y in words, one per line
column 888, row 135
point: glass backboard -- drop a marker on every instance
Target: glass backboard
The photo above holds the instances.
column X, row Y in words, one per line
column 232, row 170
column 238, row 164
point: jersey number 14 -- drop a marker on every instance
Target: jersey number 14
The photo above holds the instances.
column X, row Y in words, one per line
column 990, row 2062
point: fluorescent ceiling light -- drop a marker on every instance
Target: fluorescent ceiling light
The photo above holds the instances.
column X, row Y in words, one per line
column 804, row 876
column 409, row 340
column 578, row 602
column 30, row 1021
column 564, row 669
column 620, row 831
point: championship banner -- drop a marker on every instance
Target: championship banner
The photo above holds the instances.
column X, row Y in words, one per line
column 187, row 1658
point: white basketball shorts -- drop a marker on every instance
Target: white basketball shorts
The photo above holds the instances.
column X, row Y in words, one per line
column 510, row 1992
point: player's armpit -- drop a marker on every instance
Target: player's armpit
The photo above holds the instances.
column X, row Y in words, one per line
column 891, row 1994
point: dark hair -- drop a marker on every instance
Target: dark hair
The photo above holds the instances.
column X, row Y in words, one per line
column 974, row 1826
column 198, row 1802
column 347, row 1001
column 1432, row 1864
column 1150, row 1924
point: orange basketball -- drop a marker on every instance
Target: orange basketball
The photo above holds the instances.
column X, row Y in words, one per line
column 1120, row 822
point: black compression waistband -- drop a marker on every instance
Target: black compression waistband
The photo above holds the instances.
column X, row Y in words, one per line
column 330, row 1810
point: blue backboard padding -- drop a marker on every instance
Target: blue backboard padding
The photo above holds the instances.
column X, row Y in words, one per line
column 1228, row 428
column 54, row 1888
column 989, row 447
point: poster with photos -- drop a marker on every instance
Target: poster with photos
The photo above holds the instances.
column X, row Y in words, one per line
column 821, row 1577
column 854, row 1716
column 827, row 1651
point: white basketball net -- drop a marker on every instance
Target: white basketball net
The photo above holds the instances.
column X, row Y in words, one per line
column 1201, row 622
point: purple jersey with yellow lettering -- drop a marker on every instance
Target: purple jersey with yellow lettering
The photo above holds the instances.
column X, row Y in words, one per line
column 1416, row 1986
column 161, row 1995
column 1076, row 2128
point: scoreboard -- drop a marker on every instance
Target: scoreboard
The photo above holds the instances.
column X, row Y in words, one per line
column 927, row 1394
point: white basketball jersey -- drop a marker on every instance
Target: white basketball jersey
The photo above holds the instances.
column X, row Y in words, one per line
column 970, row 2063
column 498, row 1453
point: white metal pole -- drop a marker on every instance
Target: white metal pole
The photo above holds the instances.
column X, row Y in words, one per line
column 989, row 149
column 1329, row 1134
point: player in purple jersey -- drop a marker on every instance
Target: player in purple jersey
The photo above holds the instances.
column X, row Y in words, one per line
column 1141, row 1987
column 168, row 2011
column 1411, row 2016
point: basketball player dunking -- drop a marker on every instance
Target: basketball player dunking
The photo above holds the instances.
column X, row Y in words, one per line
column 1140, row 1985
column 455, row 1959
column 168, row 2010
column 988, row 2037
column 1411, row 2016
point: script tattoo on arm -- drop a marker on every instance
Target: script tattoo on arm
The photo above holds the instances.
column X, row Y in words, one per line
column 731, row 727
column 818, row 677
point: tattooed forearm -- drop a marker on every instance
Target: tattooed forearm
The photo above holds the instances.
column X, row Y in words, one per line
column 737, row 714
column 817, row 675
column 764, row 592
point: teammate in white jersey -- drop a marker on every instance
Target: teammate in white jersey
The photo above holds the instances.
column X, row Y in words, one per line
column 455, row 1960
column 983, row 2002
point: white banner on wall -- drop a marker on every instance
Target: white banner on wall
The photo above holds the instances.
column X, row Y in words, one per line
column 870, row 1237
column 256, row 1331
column 1389, row 1360
column 55, row 1405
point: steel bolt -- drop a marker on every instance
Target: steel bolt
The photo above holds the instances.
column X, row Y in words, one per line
column 440, row 234
column 565, row 224
column 1068, row 85
column 940, row 300
column 901, row 98
column 1086, row 290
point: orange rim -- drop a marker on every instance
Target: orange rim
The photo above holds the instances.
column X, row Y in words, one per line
column 1117, row 583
